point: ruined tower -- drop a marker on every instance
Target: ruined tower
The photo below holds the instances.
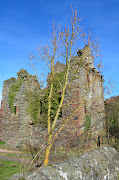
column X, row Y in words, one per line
column 84, row 94
column 16, row 124
column 83, row 100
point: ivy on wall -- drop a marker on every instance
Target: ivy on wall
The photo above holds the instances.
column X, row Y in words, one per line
column 87, row 122
column 12, row 94
column 38, row 103
column 56, row 96
column 34, row 106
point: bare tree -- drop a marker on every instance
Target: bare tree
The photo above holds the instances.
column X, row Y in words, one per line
column 64, row 44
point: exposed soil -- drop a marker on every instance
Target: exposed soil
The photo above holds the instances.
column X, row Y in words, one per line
column 4, row 152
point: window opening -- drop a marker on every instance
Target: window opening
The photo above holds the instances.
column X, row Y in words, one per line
column 15, row 107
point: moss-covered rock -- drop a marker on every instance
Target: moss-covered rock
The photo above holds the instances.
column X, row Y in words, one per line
column 98, row 164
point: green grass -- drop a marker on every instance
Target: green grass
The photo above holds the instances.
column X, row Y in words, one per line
column 10, row 155
column 2, row 142
column 8, row 168
column 3, row 145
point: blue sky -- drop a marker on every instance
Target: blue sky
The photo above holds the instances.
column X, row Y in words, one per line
column 26, row 23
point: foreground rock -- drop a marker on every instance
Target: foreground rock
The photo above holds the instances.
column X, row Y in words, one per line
column 101, row 164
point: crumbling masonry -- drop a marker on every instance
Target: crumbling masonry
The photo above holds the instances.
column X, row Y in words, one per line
column 84, row 95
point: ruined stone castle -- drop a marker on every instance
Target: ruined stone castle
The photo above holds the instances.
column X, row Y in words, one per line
column 84, row 96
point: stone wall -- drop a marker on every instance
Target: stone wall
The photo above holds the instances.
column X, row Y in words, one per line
column 1, row 115
column 59, row 67
column 84, row 94
column 17, row 128
column 100, row 164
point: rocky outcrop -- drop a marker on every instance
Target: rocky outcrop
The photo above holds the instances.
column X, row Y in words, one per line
column 100, row 164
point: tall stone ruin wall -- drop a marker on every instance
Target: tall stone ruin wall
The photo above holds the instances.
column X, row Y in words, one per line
column 1, row 115
column 84, row 95
column 16, row 128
